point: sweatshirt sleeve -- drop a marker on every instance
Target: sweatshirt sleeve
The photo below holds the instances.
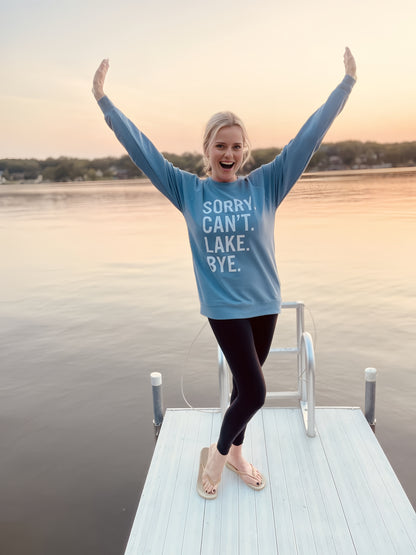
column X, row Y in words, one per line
column 144, row 154
column 283, row 172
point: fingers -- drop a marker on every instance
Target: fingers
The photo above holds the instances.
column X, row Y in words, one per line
column 347, row 55
column 105, row 64
column 102, row 70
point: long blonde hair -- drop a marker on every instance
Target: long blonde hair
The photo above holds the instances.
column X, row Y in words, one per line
column 217, row 122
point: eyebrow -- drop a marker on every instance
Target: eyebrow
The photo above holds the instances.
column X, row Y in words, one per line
column 223, row 143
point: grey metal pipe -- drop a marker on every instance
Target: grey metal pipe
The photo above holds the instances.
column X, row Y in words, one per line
column 224, row 379
column 156, row 381
column 300, row 328
column 308, row 365
column 370, row 395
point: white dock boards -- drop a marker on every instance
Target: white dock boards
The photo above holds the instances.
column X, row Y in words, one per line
column 332, row 494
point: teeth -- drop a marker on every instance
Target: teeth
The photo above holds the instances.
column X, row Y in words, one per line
column 227, row 164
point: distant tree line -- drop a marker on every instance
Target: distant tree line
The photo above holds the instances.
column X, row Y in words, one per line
column 331, row 156
column 68, row 169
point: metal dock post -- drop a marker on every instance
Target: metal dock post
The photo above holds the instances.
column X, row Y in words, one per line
column 156, row 381
column 370, row 396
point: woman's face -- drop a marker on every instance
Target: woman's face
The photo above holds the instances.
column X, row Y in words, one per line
column 225, row 154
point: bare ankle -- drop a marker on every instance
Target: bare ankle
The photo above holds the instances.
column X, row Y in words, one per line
column 235, row 452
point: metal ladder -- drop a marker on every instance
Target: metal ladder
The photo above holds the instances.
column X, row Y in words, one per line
column 305, row 356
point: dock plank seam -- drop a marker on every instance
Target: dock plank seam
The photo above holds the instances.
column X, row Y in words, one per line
column 268, row 472
column 275, row 453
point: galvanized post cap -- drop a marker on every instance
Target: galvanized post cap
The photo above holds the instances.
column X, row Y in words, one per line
column 370, row 374
column 156, row 378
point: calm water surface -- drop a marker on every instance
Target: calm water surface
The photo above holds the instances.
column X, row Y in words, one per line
column 97, row 291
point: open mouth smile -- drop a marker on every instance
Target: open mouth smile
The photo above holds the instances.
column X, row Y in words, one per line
column 227, row 165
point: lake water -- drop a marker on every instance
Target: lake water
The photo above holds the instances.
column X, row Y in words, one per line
column 97, row 291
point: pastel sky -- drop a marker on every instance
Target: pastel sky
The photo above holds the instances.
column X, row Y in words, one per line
column 175, row 62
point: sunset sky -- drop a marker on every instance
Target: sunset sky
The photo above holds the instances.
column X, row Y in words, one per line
column 175, row 62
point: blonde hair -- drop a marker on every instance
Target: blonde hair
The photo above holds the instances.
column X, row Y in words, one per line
column 217, row 122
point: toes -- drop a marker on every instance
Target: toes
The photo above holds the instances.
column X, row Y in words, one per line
column 208, row 487
column 256, row 477
column 207, row 484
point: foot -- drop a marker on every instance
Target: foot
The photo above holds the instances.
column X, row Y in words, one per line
column 247, row 472
column 211, row 476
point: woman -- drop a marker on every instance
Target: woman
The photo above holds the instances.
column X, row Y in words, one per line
column 230, row 223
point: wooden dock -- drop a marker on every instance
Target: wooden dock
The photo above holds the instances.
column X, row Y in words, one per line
column 335, row 493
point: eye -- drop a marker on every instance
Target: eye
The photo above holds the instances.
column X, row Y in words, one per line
column 238, row 147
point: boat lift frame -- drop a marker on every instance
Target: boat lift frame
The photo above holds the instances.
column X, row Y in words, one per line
column 305, row 356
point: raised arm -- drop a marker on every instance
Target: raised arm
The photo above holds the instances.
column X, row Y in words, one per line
column 289, row 165
column 167, row 178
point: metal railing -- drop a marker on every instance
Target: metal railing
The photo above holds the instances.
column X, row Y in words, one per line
column 305, row 392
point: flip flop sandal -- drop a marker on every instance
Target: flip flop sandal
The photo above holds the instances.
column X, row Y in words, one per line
column 199, row 487
column 242, row 474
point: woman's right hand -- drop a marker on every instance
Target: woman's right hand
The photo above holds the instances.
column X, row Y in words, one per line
column 99, row 78
column 349, row 63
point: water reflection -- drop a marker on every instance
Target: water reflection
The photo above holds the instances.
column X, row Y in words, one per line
column 97, row 290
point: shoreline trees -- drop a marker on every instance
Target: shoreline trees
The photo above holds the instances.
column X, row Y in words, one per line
column 331, row 156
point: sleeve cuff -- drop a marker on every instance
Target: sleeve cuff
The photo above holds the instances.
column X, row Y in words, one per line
column 105, row 104
column 348, row 82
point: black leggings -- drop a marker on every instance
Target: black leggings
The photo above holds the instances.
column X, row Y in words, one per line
column 245, row 344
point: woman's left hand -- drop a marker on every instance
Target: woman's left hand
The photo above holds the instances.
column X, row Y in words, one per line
column 349, row 63
column 99, row 78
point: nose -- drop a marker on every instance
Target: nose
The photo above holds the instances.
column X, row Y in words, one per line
column 228, row 153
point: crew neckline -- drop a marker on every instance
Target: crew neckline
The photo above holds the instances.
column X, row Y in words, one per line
column 224, row 183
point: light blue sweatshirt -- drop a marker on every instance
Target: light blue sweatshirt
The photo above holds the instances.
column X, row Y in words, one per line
column 231, row 225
